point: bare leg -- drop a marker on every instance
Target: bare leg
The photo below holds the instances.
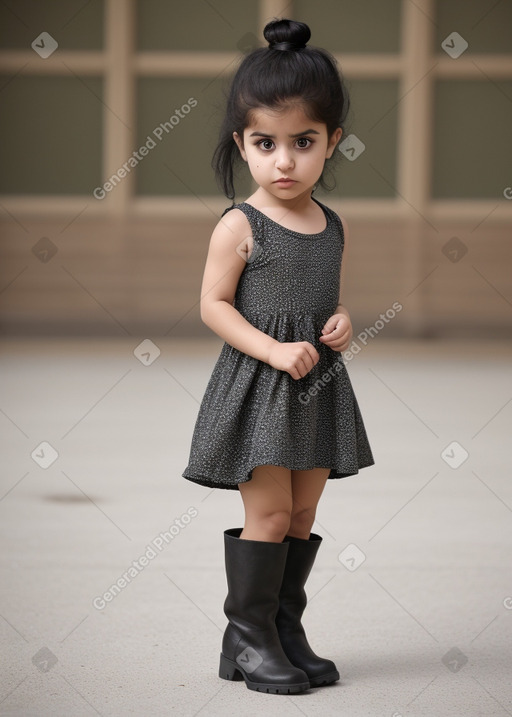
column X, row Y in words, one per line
column 307, row 487
column 267, row 499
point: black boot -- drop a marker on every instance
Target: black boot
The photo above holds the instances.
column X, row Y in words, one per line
column 292, row 603
column 250, row 648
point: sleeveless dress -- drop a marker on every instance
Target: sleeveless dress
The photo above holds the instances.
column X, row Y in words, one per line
column 253, row 414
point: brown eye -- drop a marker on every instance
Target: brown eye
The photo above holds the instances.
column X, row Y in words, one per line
column 303, row 142
column 266, row 144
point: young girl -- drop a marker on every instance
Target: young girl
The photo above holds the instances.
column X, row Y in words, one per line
column 279, row 416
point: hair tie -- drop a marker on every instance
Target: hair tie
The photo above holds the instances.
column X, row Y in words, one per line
column 286, row 46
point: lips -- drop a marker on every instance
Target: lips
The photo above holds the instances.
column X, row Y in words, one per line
column 285, row 181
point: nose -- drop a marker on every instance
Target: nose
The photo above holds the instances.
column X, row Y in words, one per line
column 284, row 159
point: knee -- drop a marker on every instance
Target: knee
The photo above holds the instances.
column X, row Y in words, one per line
column 301, row 522
column 271, row 527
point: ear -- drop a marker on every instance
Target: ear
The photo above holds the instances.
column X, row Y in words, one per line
column 240, row 145
column 333, row 141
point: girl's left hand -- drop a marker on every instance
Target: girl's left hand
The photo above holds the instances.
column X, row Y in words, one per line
column 337, row 332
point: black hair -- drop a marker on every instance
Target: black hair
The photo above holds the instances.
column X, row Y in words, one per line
column 269, row 77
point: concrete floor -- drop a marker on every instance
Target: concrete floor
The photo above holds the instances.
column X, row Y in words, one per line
column 411, row 594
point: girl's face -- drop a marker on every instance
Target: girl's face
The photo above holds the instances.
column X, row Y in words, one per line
column 286, row 151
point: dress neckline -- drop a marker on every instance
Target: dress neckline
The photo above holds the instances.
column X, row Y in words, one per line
column 292, row 231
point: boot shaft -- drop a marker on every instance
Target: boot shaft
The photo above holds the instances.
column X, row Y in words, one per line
column 292, row 595
column 254, row 572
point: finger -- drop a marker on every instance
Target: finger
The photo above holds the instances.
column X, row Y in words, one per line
column 340, row 345
column 340, row 326
column 328, row 331
column 294, row 373
column 305, row 365
column 308, row 353
column 343, row 333
column 343, row 338
column 330, row 338
column 309, row 360
column 343, row 342
column 304, row 368
column 313, row 353
column 328, row 326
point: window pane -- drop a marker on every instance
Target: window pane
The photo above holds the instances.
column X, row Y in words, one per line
column 227, row 25
column 349, row 26
column 179, row 164
column 486, row 25
column 472, row 140
column 50, row 135
column 373, row 122
column 74, row 24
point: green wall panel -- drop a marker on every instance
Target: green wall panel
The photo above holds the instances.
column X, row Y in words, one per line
column 179, row 164
column 50, row 135
column 472, row 139
column 373, row 120
column 223, row 25
column 351, row 25
column 486, row 25
column 74, row 24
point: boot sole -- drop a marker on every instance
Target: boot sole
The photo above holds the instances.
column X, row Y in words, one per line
column 230, row 670
column 323, row 680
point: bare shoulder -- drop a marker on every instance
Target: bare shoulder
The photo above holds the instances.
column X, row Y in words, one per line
column 232, row 228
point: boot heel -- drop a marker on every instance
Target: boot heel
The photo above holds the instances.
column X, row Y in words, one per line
column 229, row 670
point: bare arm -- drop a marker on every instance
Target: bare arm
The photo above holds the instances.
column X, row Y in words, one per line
column 224, row 266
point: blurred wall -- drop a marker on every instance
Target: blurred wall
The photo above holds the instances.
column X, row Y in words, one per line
column 110, row 115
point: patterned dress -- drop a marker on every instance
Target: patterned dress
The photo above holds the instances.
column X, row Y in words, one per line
column 253, row 414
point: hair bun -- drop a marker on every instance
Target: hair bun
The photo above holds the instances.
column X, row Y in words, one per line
column 286, row 34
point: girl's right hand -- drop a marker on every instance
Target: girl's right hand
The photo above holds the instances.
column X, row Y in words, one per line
column 296, row 358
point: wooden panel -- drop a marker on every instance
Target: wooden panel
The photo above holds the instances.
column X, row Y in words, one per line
column 74, row 25
column 143, row 277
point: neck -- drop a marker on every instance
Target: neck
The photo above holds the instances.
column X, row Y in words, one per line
column 297, row 204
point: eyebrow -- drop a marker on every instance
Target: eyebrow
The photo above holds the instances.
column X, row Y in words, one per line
column 272, row 136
